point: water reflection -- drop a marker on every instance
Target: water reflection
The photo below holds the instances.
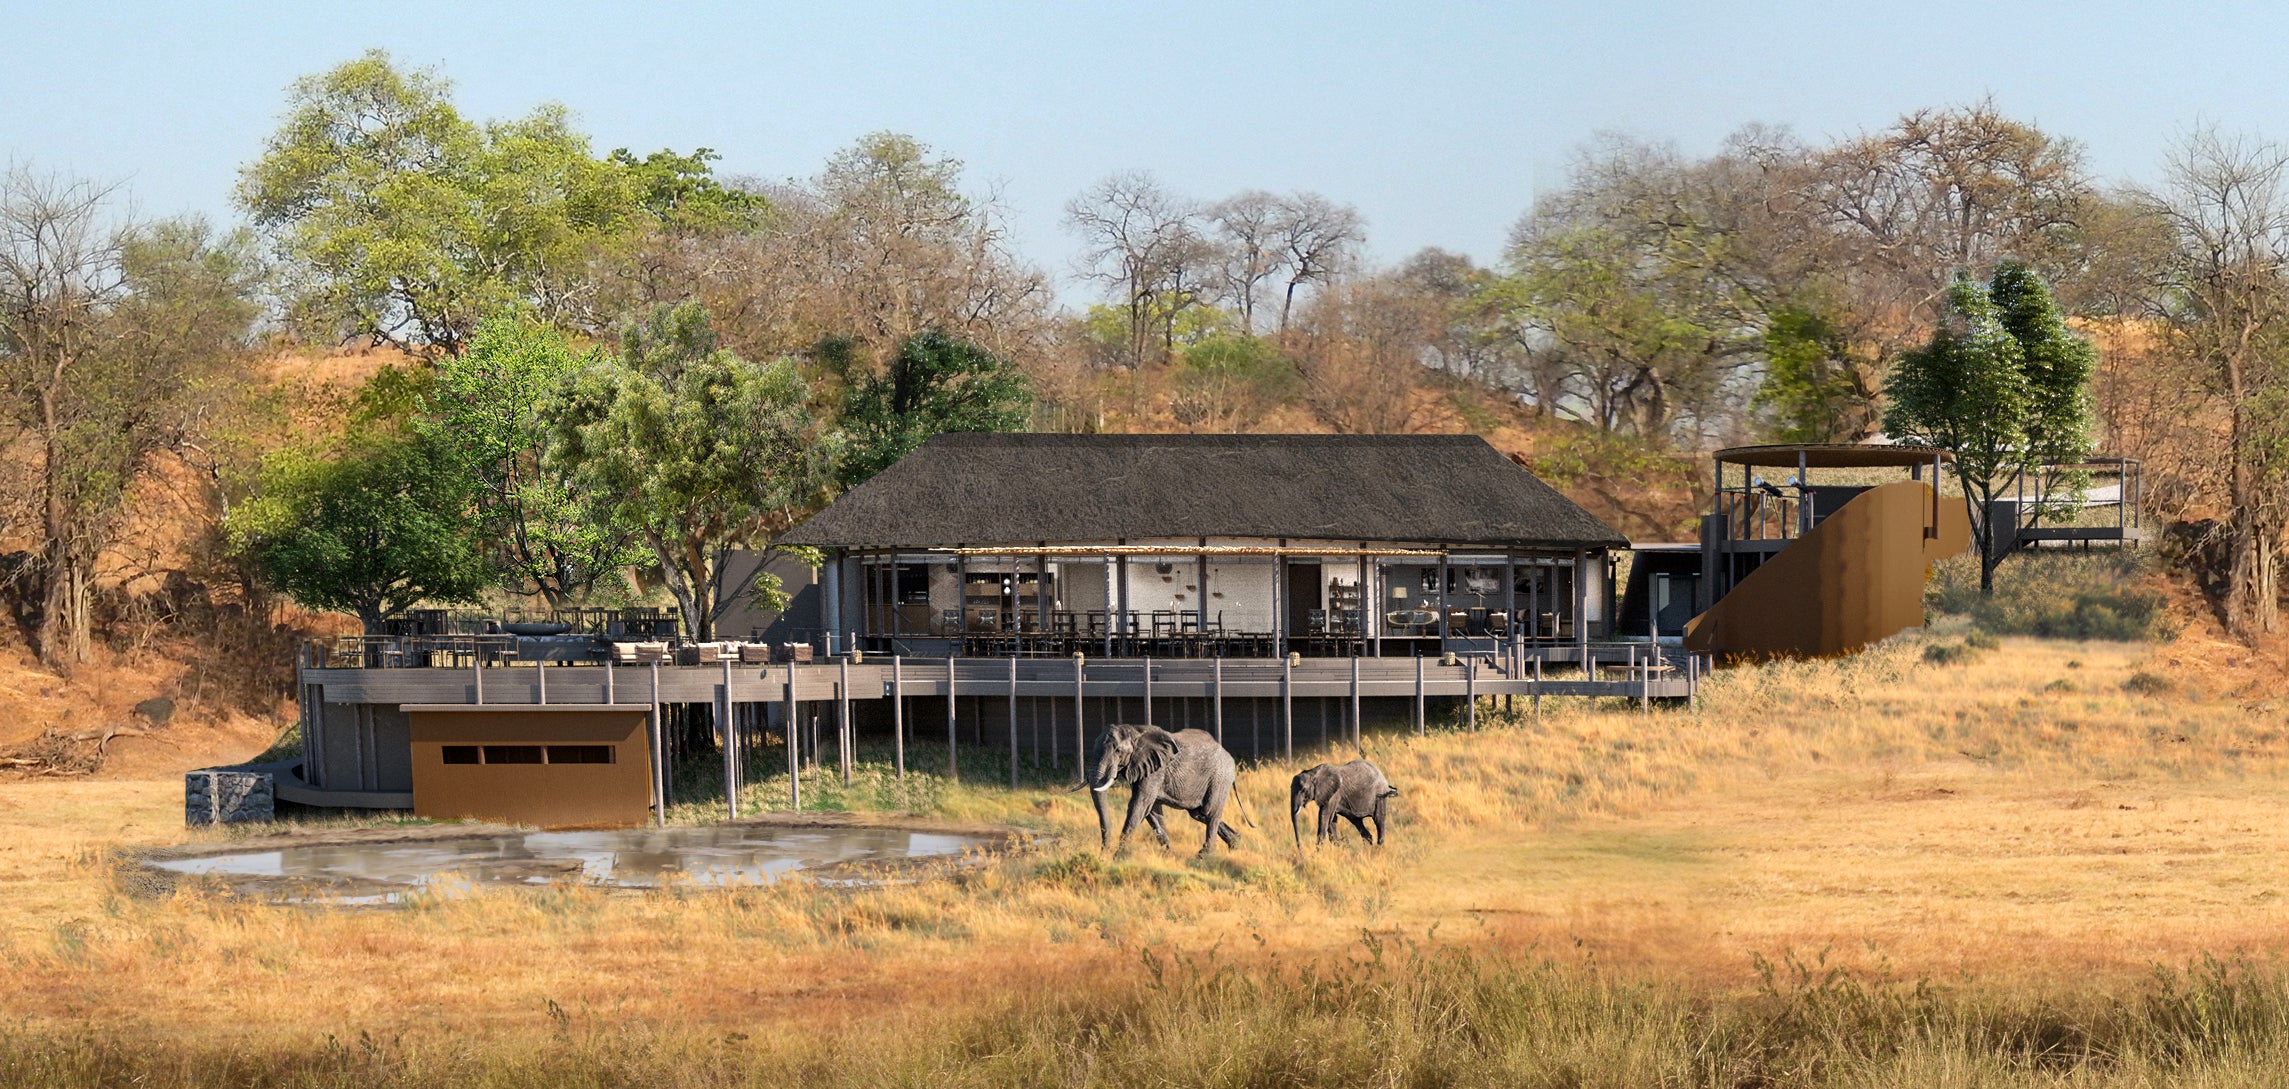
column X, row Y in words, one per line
column 634, row 857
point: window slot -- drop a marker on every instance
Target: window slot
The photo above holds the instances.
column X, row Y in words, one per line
column 580, row 754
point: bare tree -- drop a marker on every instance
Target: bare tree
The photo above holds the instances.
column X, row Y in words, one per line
column 1318, row 240
column 1146, row 246
column 1254, row 250
column 2226, row 300
column 1361, row 346
column 106, row 333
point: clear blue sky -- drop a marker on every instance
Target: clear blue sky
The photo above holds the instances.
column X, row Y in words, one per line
column 1438, row 121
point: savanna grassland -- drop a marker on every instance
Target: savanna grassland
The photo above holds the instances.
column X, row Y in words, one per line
column 1953, row 858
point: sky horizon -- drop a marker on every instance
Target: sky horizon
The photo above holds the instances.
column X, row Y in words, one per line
column 1440, row 126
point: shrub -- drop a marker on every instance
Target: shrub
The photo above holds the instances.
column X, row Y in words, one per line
column 2148, row 684
column 2055, row 597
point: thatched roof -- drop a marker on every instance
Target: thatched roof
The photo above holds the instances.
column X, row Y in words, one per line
column 974, row 490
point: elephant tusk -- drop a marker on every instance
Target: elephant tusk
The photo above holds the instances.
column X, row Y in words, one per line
column 1101, row 789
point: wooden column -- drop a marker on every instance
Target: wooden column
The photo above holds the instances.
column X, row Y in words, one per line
column 659, row 749
column 953, row 750
column 1444, row 634
column 1355, row 725
column 1013, row 722
column 1367, row 605
column 730, row 745
column 843, row 728
column 1470, row 692
column 1123, row 616
column 1216, row 685
column 794, row 750
column 1582, row 609
column 1280, row 602
column 1080, row 721
column 1419, row 725
column 897, row 717
column 1200, row 586
column 1148, row 689
column 1287, row 708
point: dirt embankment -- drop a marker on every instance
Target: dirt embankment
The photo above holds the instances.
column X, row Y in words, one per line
column 182, row 675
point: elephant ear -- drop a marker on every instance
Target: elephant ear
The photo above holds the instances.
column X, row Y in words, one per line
column 1154, row 747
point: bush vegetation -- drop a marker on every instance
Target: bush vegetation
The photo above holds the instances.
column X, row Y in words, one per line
column 2062, row 596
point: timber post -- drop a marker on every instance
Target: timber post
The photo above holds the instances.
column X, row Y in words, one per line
column 1470, row 693
column 897, row 718
column 1080, row 721
column 1216, row 684
column 1419, row 725
column 1287, row 709
column 1013, row 723
column 1355, row 724
column 730, row 746
column 659, row 749
column 794, row 754
column 843, row 730
column 1537, row 686
column 953, row 749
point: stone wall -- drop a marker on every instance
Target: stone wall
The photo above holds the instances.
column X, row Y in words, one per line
column 227, row 797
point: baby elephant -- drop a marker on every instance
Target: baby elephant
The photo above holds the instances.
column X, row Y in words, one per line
column 1353, row 791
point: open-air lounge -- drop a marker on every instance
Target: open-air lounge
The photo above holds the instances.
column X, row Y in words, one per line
column 1185, row 546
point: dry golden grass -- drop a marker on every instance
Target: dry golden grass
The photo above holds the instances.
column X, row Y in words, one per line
column 2031, row 815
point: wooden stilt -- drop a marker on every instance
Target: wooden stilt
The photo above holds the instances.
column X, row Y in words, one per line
column 843, row 728
column 1080, row 723
column 1470, row 693
column 1287, row 709
column 897, row 718
column 794, row 754
column 1216, row 685
column 660, row 751
column 953, row 749
column 1420, row 726
column 1355, row 727
column 1013, row 721
column 730, row 745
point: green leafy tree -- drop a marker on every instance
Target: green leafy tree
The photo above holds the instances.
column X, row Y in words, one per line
column 681, row 193
column 538, row 529
column 1811, row 390
column 1225, row 383
column 401, row 221
column 694, row 449
column 935, row 384
column 372, row 530
column 2004, row 386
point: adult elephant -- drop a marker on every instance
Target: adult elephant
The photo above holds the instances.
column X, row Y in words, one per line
column 1186, row 769
column 1356, row 791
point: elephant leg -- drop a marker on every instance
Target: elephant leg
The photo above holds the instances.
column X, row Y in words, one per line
column 1382, row 813
column 1140, row 811
column 1326, row 821
column 1159, row 829
column 1211, row 813
column 1356, row 822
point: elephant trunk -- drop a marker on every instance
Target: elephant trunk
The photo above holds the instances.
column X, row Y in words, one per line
column 1104, row 816
column 1296, row 800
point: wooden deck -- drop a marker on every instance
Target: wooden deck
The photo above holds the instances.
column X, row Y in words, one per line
column 1129, row 678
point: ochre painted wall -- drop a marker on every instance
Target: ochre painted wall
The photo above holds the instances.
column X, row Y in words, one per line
column 1857, row 577
column 618, row 794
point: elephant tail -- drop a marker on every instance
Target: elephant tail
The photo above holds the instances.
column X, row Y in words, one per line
column 1390, row 791
column 1241, row 804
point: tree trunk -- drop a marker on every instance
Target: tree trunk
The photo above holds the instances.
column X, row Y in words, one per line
column 64, row 624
